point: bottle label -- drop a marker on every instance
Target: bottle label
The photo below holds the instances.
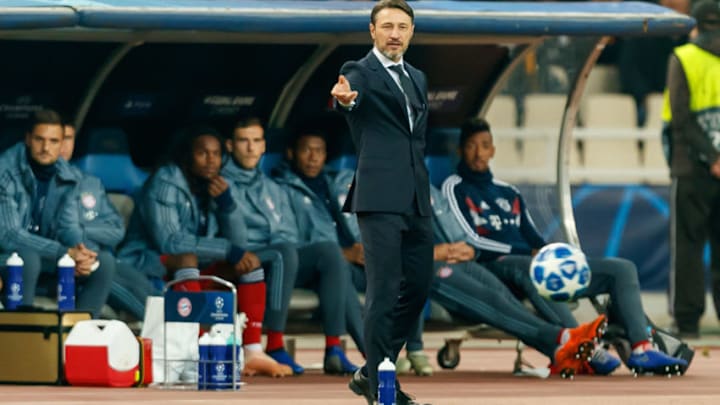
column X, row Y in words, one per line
column 386, row 387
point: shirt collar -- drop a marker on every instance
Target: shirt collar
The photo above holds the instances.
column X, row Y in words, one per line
column 385, row 61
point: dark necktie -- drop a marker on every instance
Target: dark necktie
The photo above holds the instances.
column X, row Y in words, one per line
column 407, row 87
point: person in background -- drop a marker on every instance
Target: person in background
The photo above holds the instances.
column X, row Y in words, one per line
column 271, row 224
column 99, row 226
column 642, row 61
column 692, row 143
column 501, row 236
column 35, row 185
column 186, row 219
column 315, row 198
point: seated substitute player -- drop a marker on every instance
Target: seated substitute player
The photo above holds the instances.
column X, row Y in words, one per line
column 101, row 229
column 185, row 217
column 315, row 197
column 503, row 236
column 271, row 224
column 35, row 183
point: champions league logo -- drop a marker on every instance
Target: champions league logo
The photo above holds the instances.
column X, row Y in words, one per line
column 220, row 313
column 15, row 292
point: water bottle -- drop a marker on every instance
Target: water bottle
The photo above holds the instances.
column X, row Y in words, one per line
column 14, row 288
column 66, row 283
column 235, row 344
column 386, row 382
column 204, row 362
column 219, row 376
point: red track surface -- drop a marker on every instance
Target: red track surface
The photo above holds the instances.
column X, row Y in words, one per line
column 483, row 377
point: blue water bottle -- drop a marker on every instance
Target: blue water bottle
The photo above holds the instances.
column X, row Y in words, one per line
column 204, row 363
column 219, row 377
column 14, row 288
column 66, row 283
column 386, row 382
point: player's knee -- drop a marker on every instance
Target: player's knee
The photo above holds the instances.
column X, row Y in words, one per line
column 181, row 261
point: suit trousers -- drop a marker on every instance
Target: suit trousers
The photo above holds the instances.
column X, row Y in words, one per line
column 399, row 270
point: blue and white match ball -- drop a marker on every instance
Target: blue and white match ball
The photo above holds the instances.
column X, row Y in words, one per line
column 560, row 272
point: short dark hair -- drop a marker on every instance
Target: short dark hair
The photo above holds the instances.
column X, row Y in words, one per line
column 44, row 117
column 398, row 4
column 181, row 151
column 471, row 127
column 247, row 121
column 306, row 131
column 707, row 15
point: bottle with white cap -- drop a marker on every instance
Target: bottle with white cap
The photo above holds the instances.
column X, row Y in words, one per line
column 219, row 377
column 204, row 362
column 14, row 288
column 66, row 283
column 386, row 383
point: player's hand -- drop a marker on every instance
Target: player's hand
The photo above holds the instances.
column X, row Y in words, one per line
column 247, row 263
column 217, row 185
column 84, row 259
column 355, row 254
column 440, row 252
column 715, row 169
column 459, row 252
column 342, row 91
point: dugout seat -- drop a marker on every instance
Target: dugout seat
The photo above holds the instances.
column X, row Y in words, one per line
column 104, row 153
column 439, row 168
column 344, row 162
column 269, row 160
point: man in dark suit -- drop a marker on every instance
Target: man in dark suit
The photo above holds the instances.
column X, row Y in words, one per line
column 385, row 102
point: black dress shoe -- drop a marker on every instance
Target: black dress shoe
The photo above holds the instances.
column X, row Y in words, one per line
column 402, row 398
column 360, row 385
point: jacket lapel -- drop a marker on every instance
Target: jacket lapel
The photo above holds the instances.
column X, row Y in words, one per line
column 390, row 83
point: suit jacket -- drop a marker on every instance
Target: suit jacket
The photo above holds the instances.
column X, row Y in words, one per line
column 391, row 169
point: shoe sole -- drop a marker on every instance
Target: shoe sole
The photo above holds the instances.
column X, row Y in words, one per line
column 360, row 392
column 668, row 371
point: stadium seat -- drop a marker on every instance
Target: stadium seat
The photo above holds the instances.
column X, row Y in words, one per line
column 544, row 110
column 269, row 160
column 502, row 112
column 654, row 162
column 439, row 168
column 104, row 153
column 344, row 162
column 654, row 103
column 124, row 204
column 609, row 110
column 507, row 163
column 603, row 79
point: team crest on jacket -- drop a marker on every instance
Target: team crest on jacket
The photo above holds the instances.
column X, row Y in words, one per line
column 503, row 204
column 445, row 272
column 88, row 200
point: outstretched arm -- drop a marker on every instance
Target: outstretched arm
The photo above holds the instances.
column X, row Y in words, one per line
column 343, row 93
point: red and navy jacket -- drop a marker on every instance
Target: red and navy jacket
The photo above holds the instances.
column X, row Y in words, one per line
column 492, row 214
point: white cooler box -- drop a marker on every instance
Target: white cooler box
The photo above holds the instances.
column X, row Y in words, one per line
column 101, row 353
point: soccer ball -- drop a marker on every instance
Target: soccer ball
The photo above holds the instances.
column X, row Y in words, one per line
column 560, row 272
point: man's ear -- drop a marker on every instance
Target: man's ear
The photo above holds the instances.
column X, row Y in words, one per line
column 289, row 154
column 228, row 145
